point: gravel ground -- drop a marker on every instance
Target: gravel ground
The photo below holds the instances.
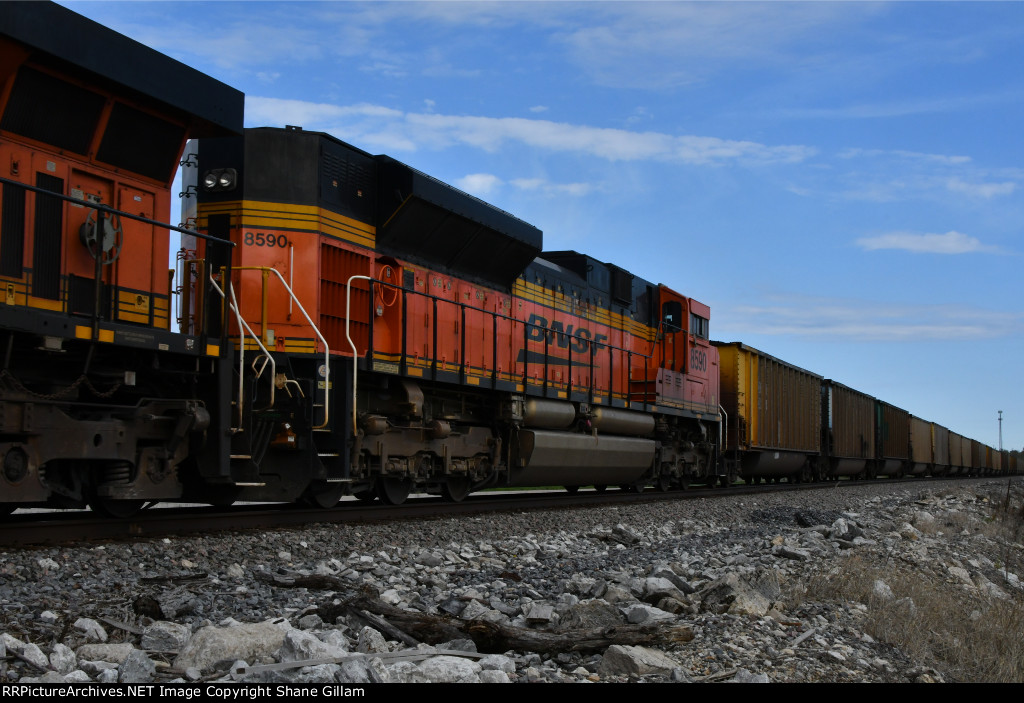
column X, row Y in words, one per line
column 732, row 572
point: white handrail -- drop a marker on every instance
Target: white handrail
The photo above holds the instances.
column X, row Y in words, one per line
column 244, row 326
column 316, row 331
column 327, row 349
column 348, row 336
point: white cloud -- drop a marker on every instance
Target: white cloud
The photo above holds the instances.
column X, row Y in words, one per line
column 486, row 183
column 980, row 190
column 426, row 130
column 882, row 192
column 948, row 159
column 949, row 243
column 660, row 45
column 479, row 183
column 548, row 188
column 827, row 319
column 280, row 111
column 888, row 175
column 894, row 108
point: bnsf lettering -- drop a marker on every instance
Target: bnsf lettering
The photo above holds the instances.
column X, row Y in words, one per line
column 698, row 359
column 578, row 341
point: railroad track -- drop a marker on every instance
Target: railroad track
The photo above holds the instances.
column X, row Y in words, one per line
column 24, row 529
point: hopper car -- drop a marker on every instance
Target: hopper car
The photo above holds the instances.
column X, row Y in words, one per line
column 337, row 323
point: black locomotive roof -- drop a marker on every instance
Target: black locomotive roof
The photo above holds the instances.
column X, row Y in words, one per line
column 439, row 225
column 56, row 33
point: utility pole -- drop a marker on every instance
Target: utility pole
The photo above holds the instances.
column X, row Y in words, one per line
column 1000, row 430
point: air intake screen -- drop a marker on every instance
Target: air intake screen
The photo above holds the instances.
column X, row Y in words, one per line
column 53, row 111
column 622, row 285
column 12, row 231
column 141, row 143
column 46, row 250
column 434, row 224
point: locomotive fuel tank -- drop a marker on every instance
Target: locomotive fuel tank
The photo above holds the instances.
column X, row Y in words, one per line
column 565, row 459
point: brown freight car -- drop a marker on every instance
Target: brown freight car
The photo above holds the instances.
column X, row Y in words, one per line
column 892, row 440
column 848, row 430
column 956, row 453
column 772, row 414
column 922, row 447
column 940, row 447
column 977, row 465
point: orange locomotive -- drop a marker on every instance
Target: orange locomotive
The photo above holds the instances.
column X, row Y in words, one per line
column 397, row 334
column 100, row 399
column 342, row 324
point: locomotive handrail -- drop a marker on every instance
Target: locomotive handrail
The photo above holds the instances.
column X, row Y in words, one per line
column 115, row 211
column 327, row 350
column 355, row 352
column 244, row 326
column 629, row 354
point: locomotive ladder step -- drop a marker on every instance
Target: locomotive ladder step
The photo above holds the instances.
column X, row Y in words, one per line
column 328, row 454
column 241, row 456
column 249, row 484
column 338, row 480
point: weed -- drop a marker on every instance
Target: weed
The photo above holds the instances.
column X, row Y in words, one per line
column 970, row 631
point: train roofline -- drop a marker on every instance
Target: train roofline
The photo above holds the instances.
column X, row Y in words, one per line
column 755, row 350
column 65, row 35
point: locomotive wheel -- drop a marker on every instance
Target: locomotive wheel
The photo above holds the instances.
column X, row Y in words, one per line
column 393, row 491
column 601, row 488
column 571, row 489
column 118, row 509
column 455, row 490
column 223, row 496
column 323, row 495
column 664, row 483
column 7, row 508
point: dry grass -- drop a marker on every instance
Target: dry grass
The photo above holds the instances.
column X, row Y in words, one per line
column 933, row 617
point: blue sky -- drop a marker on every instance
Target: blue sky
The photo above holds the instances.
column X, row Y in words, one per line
column 843, row 183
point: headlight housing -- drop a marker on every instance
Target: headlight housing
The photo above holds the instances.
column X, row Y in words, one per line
column 220, row 179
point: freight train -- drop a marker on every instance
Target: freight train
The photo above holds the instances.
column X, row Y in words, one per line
column 339, row 324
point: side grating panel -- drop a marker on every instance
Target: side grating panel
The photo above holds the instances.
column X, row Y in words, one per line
column 142, row 143
column 337, row 265
column 46, row 254
column 12, row 231
column 53, row 111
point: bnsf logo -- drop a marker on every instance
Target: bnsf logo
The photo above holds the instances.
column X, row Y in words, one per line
column 578, row 341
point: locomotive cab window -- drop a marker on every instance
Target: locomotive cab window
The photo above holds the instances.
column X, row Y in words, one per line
column 672, row 316
column 699, row 326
